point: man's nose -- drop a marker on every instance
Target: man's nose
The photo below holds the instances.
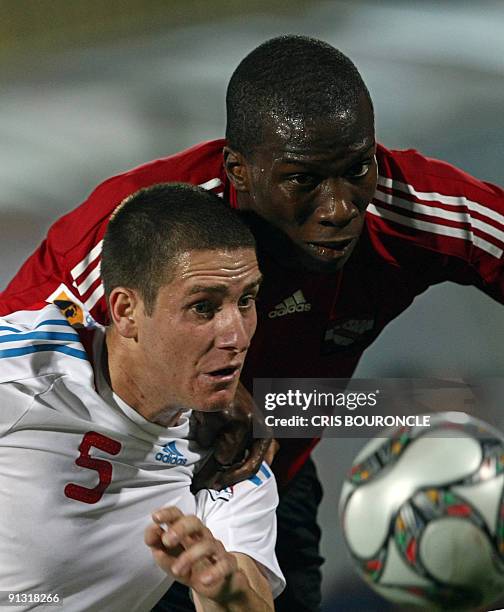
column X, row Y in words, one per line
column 233, row 330
column 334, row 206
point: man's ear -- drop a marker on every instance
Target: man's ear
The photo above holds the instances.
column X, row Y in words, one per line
column 124, row 306
column 236, row 169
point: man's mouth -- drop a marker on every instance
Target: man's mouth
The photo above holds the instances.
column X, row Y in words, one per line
column 224, row 375
column 331, row 249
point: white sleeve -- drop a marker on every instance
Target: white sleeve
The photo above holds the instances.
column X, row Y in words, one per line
column 243, row 518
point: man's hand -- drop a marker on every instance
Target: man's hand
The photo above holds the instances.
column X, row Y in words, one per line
column 188, row 551
column 237, row 454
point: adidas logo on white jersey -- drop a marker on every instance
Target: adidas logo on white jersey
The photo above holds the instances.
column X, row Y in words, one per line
column 295, row 303
column 171, row 454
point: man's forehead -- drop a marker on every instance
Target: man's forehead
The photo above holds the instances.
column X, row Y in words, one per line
column 351, row 128
column 313, row 151
column 206, row 267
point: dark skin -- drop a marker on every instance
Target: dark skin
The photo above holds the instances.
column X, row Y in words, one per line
column 230, row 433
column 312, row 184
column 304, row 191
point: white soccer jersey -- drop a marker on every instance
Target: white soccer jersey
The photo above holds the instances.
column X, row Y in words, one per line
column 81, row 472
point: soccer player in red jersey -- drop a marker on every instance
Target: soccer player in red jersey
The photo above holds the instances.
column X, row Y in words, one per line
column 349, row 233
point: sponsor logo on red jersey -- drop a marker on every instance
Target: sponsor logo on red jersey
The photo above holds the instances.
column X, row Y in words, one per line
column 347, row 333
column 294, row 303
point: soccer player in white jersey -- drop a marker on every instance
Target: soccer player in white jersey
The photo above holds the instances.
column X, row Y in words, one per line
column 94, row 428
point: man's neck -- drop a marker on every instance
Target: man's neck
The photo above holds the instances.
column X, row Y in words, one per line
column 130, row 380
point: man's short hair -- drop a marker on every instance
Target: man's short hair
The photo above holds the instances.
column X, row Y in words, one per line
column 153, row 226
column 289, row 78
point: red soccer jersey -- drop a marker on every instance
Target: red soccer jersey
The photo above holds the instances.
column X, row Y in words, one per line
column 428, row 222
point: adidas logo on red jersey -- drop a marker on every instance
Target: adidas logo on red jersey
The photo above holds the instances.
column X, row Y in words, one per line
column 294, row 303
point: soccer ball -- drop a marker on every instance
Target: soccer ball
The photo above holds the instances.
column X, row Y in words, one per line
column 422, row 511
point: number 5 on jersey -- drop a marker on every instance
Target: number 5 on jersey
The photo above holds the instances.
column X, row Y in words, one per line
column 104, row 468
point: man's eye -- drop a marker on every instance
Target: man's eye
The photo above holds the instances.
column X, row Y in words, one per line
column 247, row 301
column 303, row 180
column 205, row 308
column 359, row 170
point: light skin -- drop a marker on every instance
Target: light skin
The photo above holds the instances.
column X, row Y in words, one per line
column 311, row 185
column 190, row 351
column 221, row 581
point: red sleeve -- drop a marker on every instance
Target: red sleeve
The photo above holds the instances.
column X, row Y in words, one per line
column 65, row 269
column 423, row 204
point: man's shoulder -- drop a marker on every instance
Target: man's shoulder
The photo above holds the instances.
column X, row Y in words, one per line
column 85, row 225
column 195, row 162
column 431, row 205
column 40, row 344
column 200, row 164
column 411, row 172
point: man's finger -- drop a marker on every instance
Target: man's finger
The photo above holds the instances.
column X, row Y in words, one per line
column 164, row 557
column 248, row 468
column 185, row 532
column 166, row 515
column 272, row 451
column 205, row 550
column 205, row 426
column 232, row 442
column 236, row 456
column 221, row 569
column 152, row 535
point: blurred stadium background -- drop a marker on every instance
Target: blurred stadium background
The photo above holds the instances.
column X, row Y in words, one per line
column 89, row 89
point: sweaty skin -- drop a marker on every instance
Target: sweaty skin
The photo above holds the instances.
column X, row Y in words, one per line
column 311, row 184
column 304, row 192
column 190, row 351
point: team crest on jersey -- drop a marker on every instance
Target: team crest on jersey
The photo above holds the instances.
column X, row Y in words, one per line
column 225, row 494
column 71, row 307
column 170, row 454
column 346, row 333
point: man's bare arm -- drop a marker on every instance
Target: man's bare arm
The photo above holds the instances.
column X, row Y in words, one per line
column 220, row 581
column 252, row 591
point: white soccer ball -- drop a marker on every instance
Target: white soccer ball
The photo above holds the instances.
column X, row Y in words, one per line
column 422, row 512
